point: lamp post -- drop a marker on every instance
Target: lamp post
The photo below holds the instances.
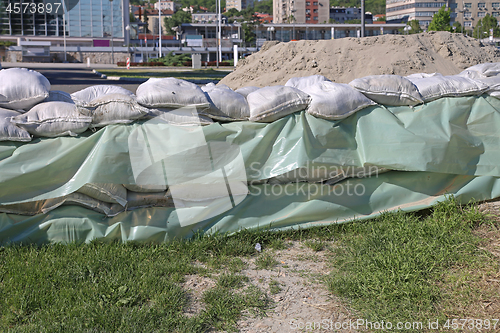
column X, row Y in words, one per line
column 159, row 26
column 64, row 29
column 127, row 28
column 362, row 18
column 112, row 47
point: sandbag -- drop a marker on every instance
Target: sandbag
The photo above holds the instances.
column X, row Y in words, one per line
column 87, row 95
column 245, row 91
column 153, row 199
column 186, row 116
column 59, row 96
column 111, row 193
column 225, row 104
column 482, row 70
column 388, row 90
column 271, row 103
column 21, row 88
column 145, row 188
column 113, row 108
column 437, row 86
column 330, row 100
column 8, row 130
column 52, row 119
column 171, row 93
column 210, row 86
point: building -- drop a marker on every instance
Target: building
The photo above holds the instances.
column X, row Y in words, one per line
column 239, row 4
column 343, row 14
column 84, row 18
column 165, row 5
column 301, row 11
column 421, row 10
column 203, row 17
column 468, row 13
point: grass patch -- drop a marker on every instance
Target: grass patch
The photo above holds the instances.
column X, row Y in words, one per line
column 200, row 74
column 403, row 267
column 393, row 268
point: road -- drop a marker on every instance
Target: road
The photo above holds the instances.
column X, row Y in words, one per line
column 72, row 77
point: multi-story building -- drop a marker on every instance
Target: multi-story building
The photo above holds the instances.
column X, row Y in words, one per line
column 301, row 11
column 343, row 14
column 239, row 4
column 165, row 5
column 84, row 18
column 421, row 10
column 468, row 12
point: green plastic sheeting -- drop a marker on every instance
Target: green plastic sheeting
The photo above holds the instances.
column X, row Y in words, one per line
column 448, row 146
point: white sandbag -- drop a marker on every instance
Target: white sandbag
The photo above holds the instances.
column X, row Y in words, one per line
column 146, row 188
column 113, row 109
column 82, row 200
column 111, row 193
column 155, row 199
column 227, row 105
column 180, row 117
column 33, row 207
column 330, row 100
column 482, row 70
column 245, row 91
column 271, row 103
column 438, row 86
column 52, row 119
column 86, row 95
column 388, row 89
column 8, row 130
column 210, row 86
column 21, row 88
column 171, row 93
column 59, row 96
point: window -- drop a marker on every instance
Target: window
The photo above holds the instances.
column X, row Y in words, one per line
column 315, row 3
column 481, row 5
column 308, row 19
column 467, row 14
column 495, row 14
column 481, row 14
column 495, row 4
column 467, row 5
column 468, row 24
column 308, row 3
column 315, row 10
column 315, row 18
column 308, row 11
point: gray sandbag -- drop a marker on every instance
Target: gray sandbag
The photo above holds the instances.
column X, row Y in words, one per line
column 153, row 199
column 8, row 130
column 272, row 103
column 52, row 119
column 112, row 109
column 434, row 86
column 388, row 90
column 227, row 105
column 110, row 193
column 146, row 188
column 87, row 95
column 171, row 93
column 21, row 88
column 186, row 116
column 330, row 100
column 59, row 96
column 245, row 91
column 481, row 71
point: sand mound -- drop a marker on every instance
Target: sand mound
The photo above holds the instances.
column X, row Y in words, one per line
column 342, row 60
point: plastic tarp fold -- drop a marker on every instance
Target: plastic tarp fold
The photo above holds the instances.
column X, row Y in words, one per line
column 447, row 146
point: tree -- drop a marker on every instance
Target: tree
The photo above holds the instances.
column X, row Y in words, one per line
column 484, row 25
column 146, row 20
column 177, row 19
column 415, row 27
column 441, row 21
column 381, row 19
column 457, row 27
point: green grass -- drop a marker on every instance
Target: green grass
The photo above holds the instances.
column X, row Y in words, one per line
column 400, row 266
column 392, row 268
column 186, row 74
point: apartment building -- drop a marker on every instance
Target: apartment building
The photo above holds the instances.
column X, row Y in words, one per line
column 239, row 4
column 165, row 5
column 468, row 13
column 301, row 11
column 421, row 10
column 343, row 14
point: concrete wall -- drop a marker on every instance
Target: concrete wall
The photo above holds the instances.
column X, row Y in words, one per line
column 95, row 57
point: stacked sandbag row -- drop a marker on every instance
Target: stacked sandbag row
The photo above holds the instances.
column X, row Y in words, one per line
column 107, row 199
column 28, row 107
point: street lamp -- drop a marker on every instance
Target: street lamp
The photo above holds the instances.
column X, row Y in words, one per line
column 112, row 47
column 127, row 28
column 270, row 30
column 159, row 26
column 64, row 29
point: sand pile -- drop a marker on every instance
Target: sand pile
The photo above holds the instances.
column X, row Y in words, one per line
column 342, row 60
